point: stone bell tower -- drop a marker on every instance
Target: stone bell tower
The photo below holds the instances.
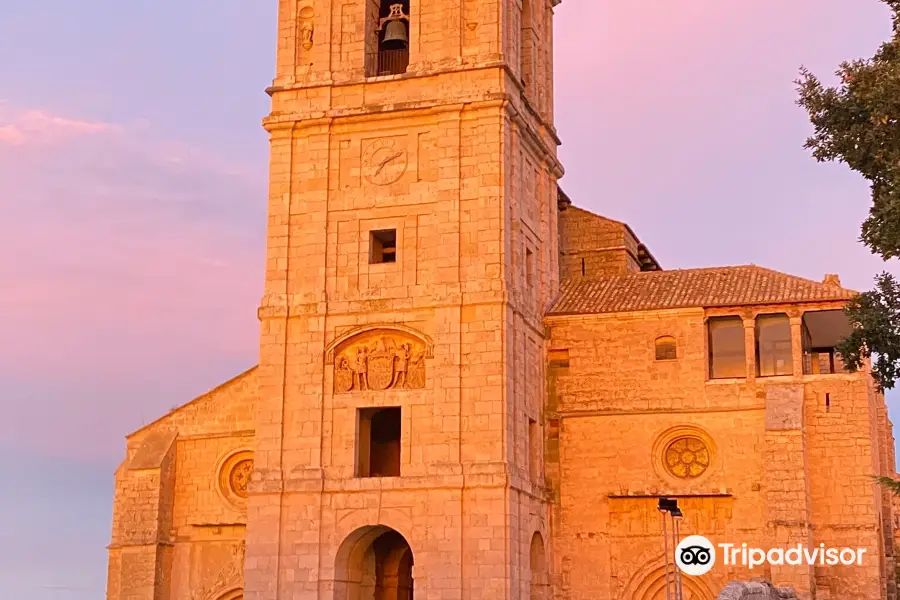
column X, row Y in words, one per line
column 412, row 251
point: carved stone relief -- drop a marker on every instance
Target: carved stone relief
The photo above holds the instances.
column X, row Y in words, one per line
column 234, row 476
column 305, row 27
column 228, row 581
column 380, row 360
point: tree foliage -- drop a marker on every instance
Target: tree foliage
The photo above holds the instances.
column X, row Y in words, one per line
column 877, row 314
column 857, row 123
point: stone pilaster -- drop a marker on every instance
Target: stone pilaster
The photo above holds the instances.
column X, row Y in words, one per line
column 786, row 485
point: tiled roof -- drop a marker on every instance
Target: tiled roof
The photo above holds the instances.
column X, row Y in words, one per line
column 718, row 286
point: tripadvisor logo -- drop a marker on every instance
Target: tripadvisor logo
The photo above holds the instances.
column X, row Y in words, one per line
column 695, row 555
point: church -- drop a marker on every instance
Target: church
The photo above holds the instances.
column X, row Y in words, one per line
column 469, row 388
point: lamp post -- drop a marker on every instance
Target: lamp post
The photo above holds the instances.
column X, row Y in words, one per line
column 676, row 525
column 666, row 505
column 670, row 505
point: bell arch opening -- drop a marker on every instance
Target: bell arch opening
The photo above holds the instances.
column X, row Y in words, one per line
column 374, row 563
column 540, row 584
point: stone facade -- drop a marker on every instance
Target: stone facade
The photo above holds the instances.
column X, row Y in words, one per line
column 430, row 417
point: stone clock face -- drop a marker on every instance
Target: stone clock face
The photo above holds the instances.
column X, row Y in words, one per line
column 384, row 162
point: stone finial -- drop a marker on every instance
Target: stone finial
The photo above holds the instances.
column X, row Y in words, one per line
column 832, row 279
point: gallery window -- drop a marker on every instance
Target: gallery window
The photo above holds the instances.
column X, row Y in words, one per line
column 383, row 246
column 727, row 358
column 378, row 442
column 666, row 348
column 822, row 331
column 773, row 346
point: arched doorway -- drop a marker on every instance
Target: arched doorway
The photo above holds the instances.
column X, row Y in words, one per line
column 652, row 586
column 374, row 563
column 540, row 583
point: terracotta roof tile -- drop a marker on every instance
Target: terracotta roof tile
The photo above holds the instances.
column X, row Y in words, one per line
column 717, row 286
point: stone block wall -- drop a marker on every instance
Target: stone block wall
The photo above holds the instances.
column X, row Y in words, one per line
column 178, row 527
column 775, row 452
column 594, row 246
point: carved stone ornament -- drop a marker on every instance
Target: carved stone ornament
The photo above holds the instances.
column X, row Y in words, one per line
column 687, row 457
column 229, row 577
column 380, row 360
column 305, row 27
column 240, row 477
column 234, row 477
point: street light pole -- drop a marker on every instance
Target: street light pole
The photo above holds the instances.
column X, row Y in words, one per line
column 668, row 505
column 676, row 526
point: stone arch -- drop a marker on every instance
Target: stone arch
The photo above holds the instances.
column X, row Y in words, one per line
column 650, row 584
column 540, row 577
column 374, row 562
column 233, row 594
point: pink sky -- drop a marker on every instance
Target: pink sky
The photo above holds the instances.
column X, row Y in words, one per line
column 133, row 190
column 134, row 239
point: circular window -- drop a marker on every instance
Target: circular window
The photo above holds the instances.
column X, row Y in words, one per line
column 684, row 454
column 234, row 476
column 686, row 457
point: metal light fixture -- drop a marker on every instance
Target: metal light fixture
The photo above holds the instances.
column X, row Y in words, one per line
column 670, row 506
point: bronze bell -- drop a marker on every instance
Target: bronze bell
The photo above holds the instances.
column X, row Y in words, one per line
column 395, row 34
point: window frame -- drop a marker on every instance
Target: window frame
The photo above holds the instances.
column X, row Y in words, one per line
column 710, row 353
column 757, row 345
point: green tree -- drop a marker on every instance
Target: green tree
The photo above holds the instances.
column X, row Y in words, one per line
column 857, row 123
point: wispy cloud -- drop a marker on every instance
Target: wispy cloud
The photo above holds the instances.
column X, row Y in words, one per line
column 39, row 127
column 126, row 258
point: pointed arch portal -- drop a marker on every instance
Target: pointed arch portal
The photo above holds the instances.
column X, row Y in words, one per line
column 374, row 563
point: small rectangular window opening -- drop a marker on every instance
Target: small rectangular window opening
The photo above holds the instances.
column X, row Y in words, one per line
column 582, row 267
column 383, row 246
column 558, row 359
column 827, row 402
column 378, row 442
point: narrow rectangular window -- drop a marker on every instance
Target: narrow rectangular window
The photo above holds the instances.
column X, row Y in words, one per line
column 534, row 450
column 383, row 246
column 529, row 267
column 378, row 442
column 727, row 356
column 774, row 355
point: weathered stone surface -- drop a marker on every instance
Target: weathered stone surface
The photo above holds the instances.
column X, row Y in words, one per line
column 754, row 590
